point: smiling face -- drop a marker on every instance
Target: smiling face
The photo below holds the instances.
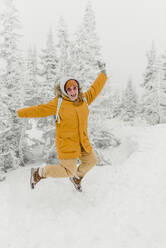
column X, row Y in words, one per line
column 72, row 92
column 72, row 89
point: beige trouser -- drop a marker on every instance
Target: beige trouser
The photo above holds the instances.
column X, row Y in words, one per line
column 68, row 167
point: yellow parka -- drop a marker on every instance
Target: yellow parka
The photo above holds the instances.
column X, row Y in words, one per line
column 71, row 133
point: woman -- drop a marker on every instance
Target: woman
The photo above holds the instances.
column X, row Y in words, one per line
column 71, row 132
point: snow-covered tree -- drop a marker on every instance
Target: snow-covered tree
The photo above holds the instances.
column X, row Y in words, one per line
column 116, row 107
column 48, row 68
column 151, row 99
column 63, row 68
column 31, row 84
column 129, row 103
column 9, row 47
column 162, row 78
column 13, row 76
column 87, row 49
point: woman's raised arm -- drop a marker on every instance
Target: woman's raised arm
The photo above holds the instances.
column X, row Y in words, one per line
column 95, row 88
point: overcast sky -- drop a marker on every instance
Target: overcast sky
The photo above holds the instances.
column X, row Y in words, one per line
column 126, row 29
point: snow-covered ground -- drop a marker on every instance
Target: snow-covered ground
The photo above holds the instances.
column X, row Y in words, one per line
column 122, row 206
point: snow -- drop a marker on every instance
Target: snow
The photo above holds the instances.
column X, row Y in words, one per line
column 122, row 206
column 34, row 133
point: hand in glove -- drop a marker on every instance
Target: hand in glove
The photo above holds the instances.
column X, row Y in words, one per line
column 102, row 67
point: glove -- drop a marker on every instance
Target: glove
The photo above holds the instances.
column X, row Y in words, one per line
column 102, row 67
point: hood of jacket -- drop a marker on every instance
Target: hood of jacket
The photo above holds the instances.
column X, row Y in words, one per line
column 60, row 92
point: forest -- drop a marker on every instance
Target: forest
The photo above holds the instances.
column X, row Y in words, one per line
column 28, row 77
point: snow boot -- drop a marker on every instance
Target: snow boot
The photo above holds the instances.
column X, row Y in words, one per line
column 76, row 180
column 35, row 177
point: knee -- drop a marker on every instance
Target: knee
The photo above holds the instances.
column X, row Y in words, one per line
column 93, row 161
column 70, row 173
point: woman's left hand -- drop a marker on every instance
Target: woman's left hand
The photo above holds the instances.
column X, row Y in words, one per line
column 102, row 67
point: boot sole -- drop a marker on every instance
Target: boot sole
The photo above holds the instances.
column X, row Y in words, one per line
column 78, row 189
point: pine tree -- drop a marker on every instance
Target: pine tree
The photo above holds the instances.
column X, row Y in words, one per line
column 12, row 85
column 64, row 67
column 116, row 104
column 87, row 49
column 48, row 68
column 9, row 50
column 129, row 103
column 151, row 99
column 31, row 85
column 162, row 78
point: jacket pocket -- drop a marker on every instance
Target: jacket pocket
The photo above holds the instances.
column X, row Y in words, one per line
column 67, row 142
